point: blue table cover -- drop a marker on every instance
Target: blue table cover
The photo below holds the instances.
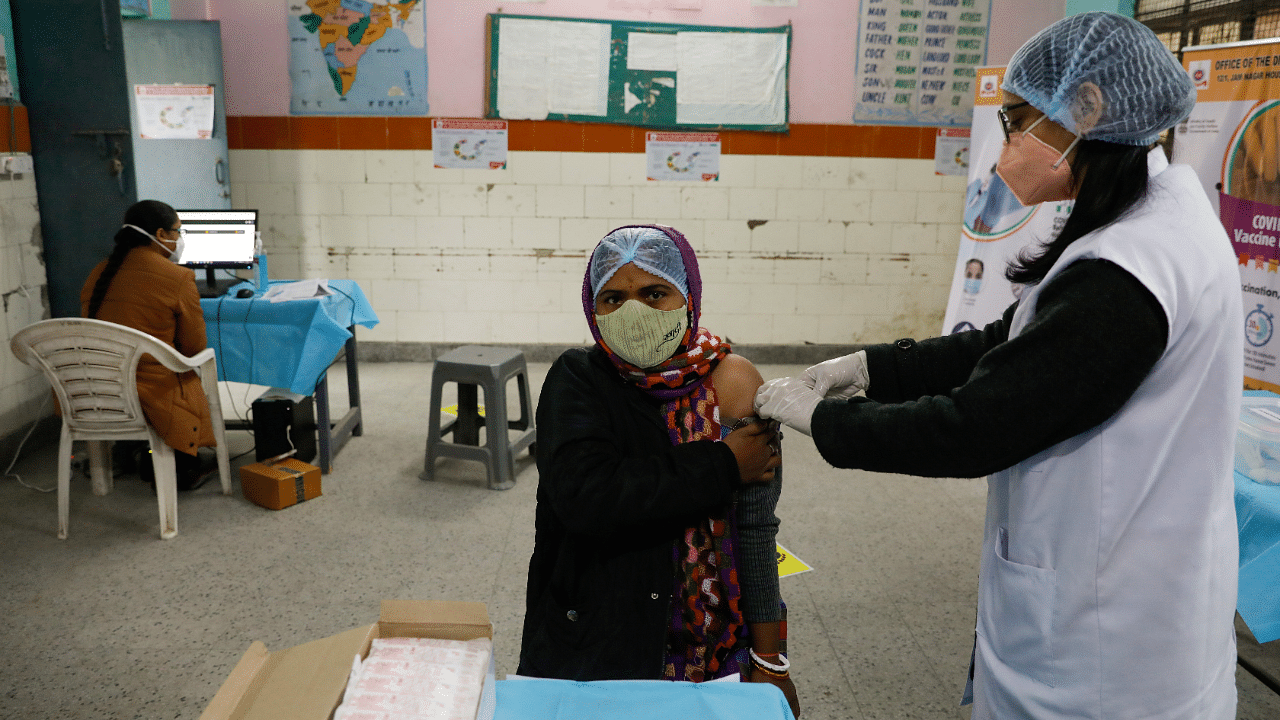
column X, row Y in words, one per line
column 525, row 698
column 1258, row 517
column 286, row 344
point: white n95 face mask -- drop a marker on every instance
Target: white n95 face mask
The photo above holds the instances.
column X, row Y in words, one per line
column 641, row 335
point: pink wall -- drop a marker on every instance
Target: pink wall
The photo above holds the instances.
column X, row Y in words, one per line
column 255, row 45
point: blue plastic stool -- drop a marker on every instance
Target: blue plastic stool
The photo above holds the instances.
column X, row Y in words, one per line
column 472, row 366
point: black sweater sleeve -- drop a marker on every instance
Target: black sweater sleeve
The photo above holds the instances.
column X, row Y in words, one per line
column 973, row 403
column 604, row 461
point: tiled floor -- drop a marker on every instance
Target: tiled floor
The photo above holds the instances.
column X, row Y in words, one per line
column 115, row 623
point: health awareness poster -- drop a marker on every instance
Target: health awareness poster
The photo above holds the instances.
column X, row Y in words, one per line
column 996, row 227
column 463, row 143
column 1232, row 139
column 682, row 156
column 174, row 111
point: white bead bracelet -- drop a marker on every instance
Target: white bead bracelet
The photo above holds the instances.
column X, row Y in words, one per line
column 784, row 667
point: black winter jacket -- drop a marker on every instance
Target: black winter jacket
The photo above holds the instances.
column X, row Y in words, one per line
column 614, row 495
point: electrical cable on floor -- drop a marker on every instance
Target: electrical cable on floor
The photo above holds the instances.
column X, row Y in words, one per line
column 18, row 452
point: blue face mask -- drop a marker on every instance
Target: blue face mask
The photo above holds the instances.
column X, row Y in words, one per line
column 972, row 285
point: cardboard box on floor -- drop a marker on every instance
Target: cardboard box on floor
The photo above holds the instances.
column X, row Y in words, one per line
column 306, row 682
column 280, row 484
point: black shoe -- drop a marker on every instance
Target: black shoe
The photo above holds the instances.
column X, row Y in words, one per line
column 192, row 471
column 142, row 460
column 124, row 456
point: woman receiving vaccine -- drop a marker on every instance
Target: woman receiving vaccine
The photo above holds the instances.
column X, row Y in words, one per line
column 654, row 551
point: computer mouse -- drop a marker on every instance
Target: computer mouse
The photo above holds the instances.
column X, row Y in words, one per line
column 244, row 293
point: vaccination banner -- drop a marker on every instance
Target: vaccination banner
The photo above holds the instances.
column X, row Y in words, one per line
column 1232, row 139
column 916, row 60
column 996, row 227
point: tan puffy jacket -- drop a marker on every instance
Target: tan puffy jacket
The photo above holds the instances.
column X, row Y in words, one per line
column 151, row 294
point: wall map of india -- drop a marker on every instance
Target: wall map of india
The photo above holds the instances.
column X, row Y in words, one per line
column 358, row 57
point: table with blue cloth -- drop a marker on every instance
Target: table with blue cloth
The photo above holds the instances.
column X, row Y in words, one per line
column 291, row 345
column 524, row 698
column 1258, row 519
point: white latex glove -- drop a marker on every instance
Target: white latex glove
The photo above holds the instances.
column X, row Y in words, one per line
column 842, row 377
column 789, row 400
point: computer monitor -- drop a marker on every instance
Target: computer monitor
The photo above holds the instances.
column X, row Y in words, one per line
column 218, row 240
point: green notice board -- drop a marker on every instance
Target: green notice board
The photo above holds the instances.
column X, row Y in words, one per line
column 655, row 75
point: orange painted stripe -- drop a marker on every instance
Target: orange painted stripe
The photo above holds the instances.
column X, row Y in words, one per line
column 265, row 133
column 20, row 139
column 360, row 133
column 318, row 132
column 408, row 133
column 314, row 133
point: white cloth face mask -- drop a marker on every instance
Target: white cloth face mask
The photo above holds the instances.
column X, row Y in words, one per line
column 641, row 335
column 178, row 246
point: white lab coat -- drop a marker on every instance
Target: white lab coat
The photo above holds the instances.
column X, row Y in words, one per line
column 1108, row 577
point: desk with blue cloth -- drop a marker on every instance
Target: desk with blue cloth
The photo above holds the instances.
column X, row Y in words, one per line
column 292, row 344
column 1258, row 519
column 525, row 698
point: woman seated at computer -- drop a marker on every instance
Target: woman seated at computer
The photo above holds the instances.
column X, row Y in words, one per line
column 654, row 553
column 140, row 286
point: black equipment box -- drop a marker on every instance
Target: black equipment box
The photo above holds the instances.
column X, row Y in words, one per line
column 282, row 418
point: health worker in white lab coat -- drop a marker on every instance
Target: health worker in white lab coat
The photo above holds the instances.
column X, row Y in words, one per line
column 1102, row 405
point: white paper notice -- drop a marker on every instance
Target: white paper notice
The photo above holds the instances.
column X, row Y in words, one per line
column 579, row 68
column 6, row 85
column 682, row 156
column 174, row 111
column 547, row 66
column 469, row 143
column 651, row 51
column 757, row 64
column 731, row 78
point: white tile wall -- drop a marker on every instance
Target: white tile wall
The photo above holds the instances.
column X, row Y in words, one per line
column 850, row 250
column 24, row 393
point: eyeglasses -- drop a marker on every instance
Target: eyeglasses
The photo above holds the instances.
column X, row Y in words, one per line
column 182, row 232
column 1003, row 114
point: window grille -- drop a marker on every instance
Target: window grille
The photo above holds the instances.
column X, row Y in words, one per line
column 1183, row 23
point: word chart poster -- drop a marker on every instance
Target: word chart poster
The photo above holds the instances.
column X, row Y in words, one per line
column 917, row 60
column 1231, row 141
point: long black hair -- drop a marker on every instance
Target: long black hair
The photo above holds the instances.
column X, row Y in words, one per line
column 1112, row 178
column 150, row 215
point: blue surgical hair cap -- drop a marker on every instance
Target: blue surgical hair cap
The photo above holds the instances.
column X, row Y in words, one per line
column 648, row 247
column 1143, row 88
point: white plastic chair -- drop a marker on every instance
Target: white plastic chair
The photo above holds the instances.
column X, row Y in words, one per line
column 93, row 367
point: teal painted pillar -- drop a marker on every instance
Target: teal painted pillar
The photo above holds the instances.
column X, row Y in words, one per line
column 1122, row 7
column 6, row 30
